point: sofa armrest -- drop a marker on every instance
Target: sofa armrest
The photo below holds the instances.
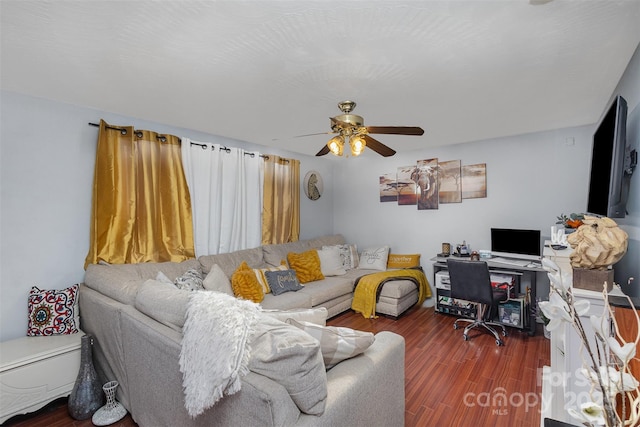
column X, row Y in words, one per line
column 367, row 389
column 152, row 352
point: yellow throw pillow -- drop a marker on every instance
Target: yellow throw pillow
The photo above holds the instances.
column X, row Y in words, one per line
column 245, row 284
column 403, row 260
column 306, row 265
column 263, row 280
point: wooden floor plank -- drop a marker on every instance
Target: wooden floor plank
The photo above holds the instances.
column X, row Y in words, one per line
column 448, row 381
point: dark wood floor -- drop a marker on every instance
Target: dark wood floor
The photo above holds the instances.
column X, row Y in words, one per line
column 448, row 381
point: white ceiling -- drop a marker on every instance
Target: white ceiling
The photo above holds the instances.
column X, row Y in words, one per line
column 259, row 70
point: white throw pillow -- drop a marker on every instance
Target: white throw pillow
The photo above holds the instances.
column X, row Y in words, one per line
column 348, row 254
column 216, row 280
column 316, row 315
column 331, row 262
column 375, row 258
column 336, row 343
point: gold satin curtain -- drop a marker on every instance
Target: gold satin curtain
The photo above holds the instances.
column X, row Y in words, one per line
column 141, row 210
column 281, row 200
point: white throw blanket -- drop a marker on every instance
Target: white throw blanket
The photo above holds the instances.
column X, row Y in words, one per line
column 215, row 347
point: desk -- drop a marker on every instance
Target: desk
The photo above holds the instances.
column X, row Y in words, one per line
column 526, row 275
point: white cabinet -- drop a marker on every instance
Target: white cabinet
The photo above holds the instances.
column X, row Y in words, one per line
column 36, row 370
column 563, row 385
column 566, row 387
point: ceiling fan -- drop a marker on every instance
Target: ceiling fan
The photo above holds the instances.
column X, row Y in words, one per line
column 350, row 129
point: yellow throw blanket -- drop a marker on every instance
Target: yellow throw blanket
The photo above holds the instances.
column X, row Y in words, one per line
column 365, row 294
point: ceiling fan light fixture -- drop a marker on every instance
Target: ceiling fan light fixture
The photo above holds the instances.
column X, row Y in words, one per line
column 357, row 144
column 336, row 145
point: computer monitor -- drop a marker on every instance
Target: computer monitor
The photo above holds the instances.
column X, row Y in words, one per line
column 516, row 243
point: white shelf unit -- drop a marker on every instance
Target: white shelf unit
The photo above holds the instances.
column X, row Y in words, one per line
column 563, row 385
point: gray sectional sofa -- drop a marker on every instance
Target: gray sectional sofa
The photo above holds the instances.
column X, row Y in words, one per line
column 138, row 333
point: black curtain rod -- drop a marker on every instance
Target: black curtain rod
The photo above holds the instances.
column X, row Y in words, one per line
column 227, row 149
column 137, row 133
column 162, row 138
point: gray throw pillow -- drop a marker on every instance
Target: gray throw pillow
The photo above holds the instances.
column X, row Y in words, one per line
column 292, row 358
column 282, row 281
column 216, row 280
column 163, row 302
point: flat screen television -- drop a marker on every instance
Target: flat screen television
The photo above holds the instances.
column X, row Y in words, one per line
column 608, row 188
column 516, row 243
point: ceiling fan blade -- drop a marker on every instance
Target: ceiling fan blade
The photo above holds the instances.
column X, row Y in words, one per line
column 323, row 151
column 396, row 130
column 378, row 146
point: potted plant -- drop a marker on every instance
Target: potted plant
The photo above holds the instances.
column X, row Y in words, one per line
column 573, row 221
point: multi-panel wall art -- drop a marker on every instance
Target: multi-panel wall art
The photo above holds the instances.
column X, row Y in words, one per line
column 429, row 183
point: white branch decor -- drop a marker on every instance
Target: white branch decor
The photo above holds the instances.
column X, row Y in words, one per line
column 606, row 363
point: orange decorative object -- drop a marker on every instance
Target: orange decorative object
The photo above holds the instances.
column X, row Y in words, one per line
column 574, row 223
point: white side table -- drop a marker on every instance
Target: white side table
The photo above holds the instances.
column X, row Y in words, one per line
column 35, row 371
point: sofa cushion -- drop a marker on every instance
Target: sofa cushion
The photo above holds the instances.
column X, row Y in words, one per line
column 355, row 273
column 336, row 343
column 325, row 290
column 403, row 260
column 163, row 302
column 121, row 281
column 216, row 280
column 274, row 254
column 375, row 258
column 306, row 265
column 314, row 315
column 287, row 301
column 292, row 358
column 245, row 284
column 398, row 288
column 319, row 242
column 282, row 281
column 229, row 262
column 331, row 261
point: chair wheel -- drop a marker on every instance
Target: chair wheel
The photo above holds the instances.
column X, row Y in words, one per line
column 455, row 326
column 504, row 333
column 499, row 342
column 466, row 338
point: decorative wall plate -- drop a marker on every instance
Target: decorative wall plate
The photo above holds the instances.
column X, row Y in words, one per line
column 313, row 186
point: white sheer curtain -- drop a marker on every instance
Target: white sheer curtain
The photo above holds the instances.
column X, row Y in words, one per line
column 225, row 185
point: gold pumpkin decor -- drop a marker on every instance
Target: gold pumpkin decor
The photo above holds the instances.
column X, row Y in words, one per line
column 597, row 244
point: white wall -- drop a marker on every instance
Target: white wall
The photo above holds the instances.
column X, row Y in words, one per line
column 47, row 155
column 531, row 179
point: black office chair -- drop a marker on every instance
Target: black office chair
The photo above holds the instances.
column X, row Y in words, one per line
column 471, row 281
